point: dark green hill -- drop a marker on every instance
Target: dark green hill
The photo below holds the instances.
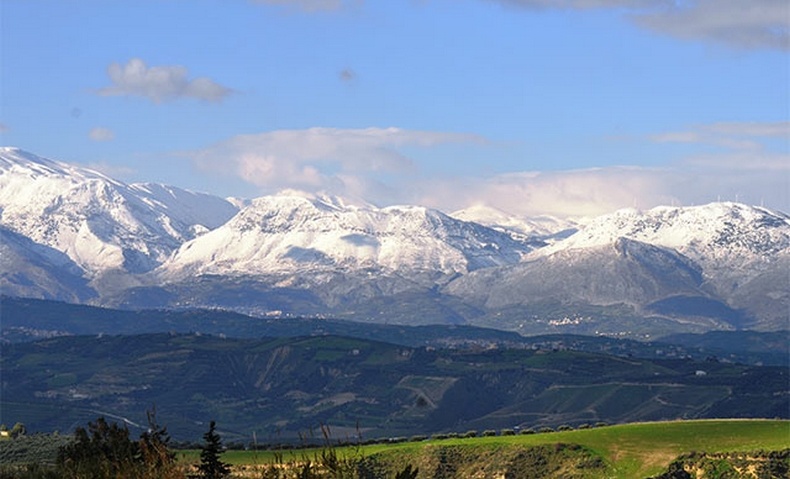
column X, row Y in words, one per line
column 281, row 387
column 25, row 319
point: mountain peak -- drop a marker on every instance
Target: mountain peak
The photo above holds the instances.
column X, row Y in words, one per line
column 15, row 160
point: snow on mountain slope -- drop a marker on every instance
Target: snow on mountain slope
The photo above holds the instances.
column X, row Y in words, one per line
column 626, row 271
column 36, row 271
column 716, row 235
column 100, row 223
column 289, row 233
column 547, row 228
column 717, row 265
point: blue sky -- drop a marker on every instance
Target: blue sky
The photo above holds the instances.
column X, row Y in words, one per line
column 564, row 107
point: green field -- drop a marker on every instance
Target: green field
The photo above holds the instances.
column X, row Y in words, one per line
column 628, row 451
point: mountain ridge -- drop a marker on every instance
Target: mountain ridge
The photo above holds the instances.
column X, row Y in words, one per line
column 291, row 233
column 100, row 223
column 93, row 239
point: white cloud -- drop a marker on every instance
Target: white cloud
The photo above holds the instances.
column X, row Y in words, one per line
column 580, row 4
column 101, row 134
column 778, row 129
column 590, row 192
column 160, row 83
column 308, row 5
column 371, row 164
column 677, row 137
column 341, row 161
column 741, row 166
column 111, row 170
column 737, row 23
column 745, row 161
column 746, row 24
column 570, row 193
column 730, row 135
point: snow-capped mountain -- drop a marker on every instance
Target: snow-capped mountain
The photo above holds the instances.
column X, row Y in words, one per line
column 100, row 223
column 299, row 234
column 74, row 234
column 33, row 270
column 743, row 251
column 627, row 271
column 715, row 235
column 722, row 262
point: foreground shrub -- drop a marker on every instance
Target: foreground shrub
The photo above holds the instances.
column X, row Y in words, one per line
column 104, row 450
column 761, row 464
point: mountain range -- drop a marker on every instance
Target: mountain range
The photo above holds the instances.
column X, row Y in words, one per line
column 72, row 234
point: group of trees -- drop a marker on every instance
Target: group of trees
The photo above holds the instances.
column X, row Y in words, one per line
column 105, row 450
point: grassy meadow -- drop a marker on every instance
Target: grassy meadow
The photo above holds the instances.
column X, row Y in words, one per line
column 628, row 451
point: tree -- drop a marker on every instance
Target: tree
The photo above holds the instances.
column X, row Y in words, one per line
column 154, row 445
column 103, row 450
column 211, row 467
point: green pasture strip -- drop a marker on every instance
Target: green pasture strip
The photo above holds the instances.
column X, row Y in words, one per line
column 631, row 450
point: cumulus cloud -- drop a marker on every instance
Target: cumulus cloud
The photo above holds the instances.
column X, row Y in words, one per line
column 342, row 161
column 160, row 83
column 101, row 134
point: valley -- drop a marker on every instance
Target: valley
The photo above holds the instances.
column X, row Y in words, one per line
column 281, row 387
column 283, row 314
column 377, row 239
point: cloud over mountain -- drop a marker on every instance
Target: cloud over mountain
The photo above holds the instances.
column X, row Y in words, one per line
column 740, row 176
column 333, row 159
